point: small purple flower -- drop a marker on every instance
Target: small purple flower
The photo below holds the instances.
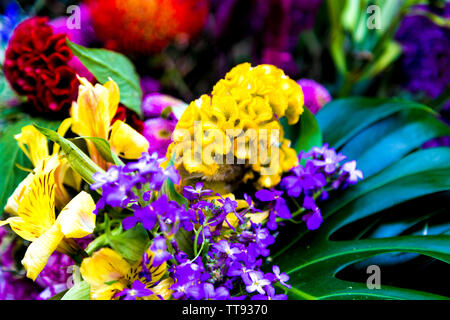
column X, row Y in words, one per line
column 224, row 247
column 138, row 290
column 270, row 295
column 281, row 209
column 354, row 175
column 159, row 248
column 255, row 281
column 313, row 220
column 277, row 276
column 192, row 193
column 221, row 293
column 329, row 160
column 304, row 178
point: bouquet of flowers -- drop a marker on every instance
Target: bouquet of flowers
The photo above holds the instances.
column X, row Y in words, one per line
column 141, row 162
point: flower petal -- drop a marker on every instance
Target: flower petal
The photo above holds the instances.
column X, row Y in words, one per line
column 127, row 142
column 40, row 250
column 104, row 266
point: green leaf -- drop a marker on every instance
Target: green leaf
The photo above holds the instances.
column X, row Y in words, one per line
column 11, row 157
column 80, row 291
column 130, row 244
column 383, row 136
column 104, row 149
column 314, row 269
column 309, row 134
column 59, row 296
column 105, row 64
column 78, row 160
column 342, row 119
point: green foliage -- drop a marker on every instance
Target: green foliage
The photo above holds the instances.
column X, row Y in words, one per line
column 384, row 137
column 130, row 244
column 105, row 64
column 104, row 149
column 80, row 291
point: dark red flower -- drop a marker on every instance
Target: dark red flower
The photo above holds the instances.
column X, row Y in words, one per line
column 37, row 66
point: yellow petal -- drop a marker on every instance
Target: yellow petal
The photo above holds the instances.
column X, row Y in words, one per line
column 127, row 142
column 37, row 207
column 113, row 98
column 161, row 289
column 13, row 201
column 106, row 292
column 40, row 250
column 104, row 266
column 33, row 144
column 76, row 219
column 63, row 127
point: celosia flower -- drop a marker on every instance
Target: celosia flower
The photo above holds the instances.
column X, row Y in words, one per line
column 35, row 219
column 109, row 274
column 37, row 66
column 92, row 116
column 316, row 95
column 239, row 122
column 124, row 25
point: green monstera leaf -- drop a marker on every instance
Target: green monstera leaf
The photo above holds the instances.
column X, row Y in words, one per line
column 398, row 213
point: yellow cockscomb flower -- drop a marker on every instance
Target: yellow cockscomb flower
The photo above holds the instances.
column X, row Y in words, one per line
column 108, row 274
column 92, row 116
column 35, row 219
column 34, row 144
column 235, row 134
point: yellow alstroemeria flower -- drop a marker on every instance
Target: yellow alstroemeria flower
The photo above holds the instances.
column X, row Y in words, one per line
column 108, row 273
column 35, row 219
column 235, row 135
column 92, row 116
column 34, row 144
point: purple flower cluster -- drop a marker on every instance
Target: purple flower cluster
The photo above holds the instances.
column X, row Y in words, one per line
column 134, row 184
column 228, row 248
column 321, row 172
column 227, row 264
column 13, row 283
column 426, row 62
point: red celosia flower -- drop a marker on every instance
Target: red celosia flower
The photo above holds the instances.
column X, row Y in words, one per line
column 36, row 65
column 142, row 26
